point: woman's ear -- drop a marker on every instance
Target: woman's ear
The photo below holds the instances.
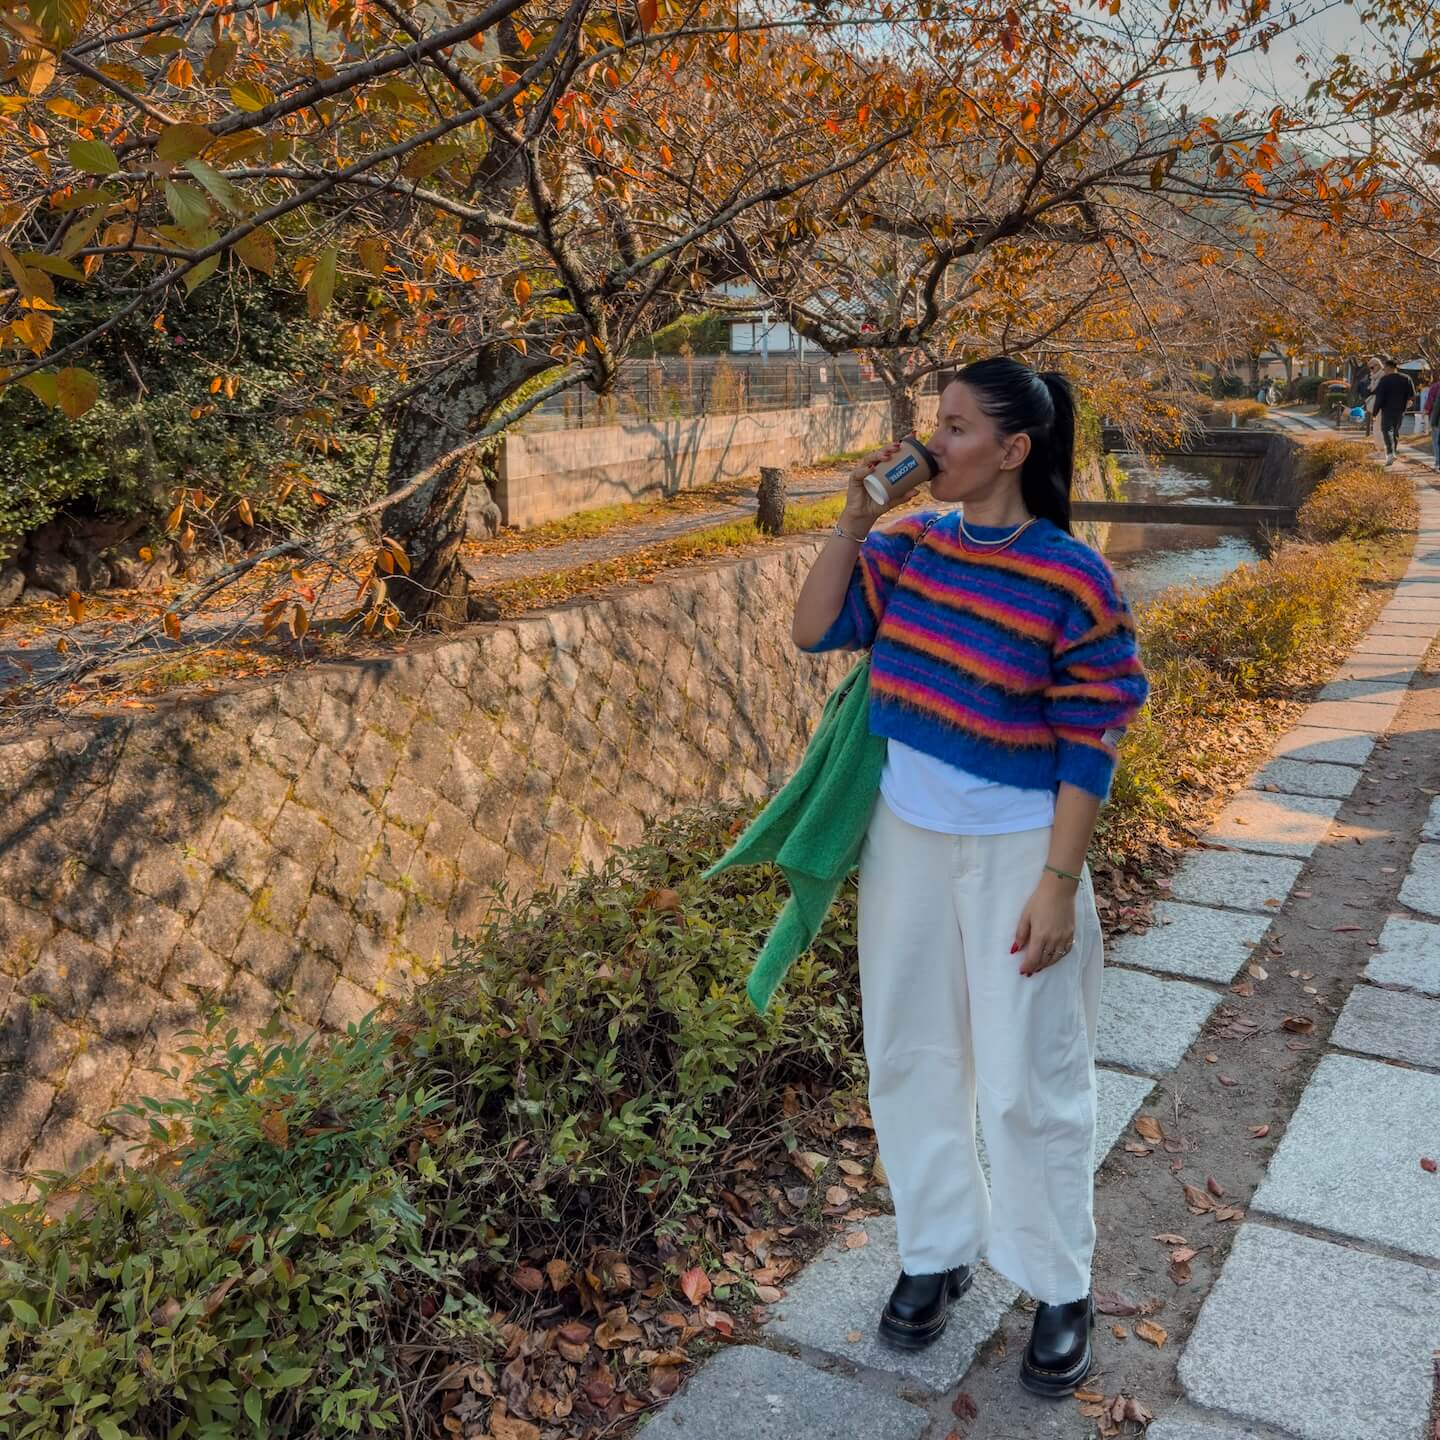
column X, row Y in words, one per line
column 1016, row 451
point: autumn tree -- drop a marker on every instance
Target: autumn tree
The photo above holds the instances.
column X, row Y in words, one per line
column 504, row 198
column 1059, row 144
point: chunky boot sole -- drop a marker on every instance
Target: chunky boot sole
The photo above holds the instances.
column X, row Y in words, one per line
column 1057, row 1384
column 903, row 1335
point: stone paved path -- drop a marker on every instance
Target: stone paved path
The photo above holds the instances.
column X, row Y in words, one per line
column 1324, row 1322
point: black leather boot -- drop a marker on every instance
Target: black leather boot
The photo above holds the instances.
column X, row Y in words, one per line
column 1059, row 1355
column 919, row 1306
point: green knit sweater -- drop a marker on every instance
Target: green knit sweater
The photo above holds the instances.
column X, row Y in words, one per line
column 814, row 827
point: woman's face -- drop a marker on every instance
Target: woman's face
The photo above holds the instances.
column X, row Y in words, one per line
column 975, row 458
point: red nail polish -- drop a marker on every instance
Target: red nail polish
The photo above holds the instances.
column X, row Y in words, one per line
column 1014, row 948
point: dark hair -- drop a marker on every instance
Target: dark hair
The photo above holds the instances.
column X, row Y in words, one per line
column 1041, row 406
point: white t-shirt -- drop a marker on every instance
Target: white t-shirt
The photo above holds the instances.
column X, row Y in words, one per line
column 932, row 794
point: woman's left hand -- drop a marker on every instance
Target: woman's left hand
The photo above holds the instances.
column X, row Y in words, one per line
column 1047, row 925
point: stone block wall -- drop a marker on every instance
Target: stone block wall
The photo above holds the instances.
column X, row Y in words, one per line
column 314, row 842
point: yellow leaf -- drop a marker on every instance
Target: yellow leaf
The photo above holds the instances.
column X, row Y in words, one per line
column 76, row 607
column 275, row 1128
column 146, row 554
column 216, row 382
column 299, row 621
column 173, row 519
column 76, row 391
column 257, row 250
column 172, row 624
column 243, row 510
column 522, row 290
column 398, row 551
column 181, row 73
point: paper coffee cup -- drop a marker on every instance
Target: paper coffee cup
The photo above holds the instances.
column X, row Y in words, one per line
column 911, row 468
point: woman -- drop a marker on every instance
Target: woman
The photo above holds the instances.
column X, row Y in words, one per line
column 1003, row 668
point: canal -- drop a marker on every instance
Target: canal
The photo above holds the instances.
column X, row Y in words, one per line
column 1150, row 558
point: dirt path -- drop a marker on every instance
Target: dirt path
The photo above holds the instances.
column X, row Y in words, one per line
column 486, row 569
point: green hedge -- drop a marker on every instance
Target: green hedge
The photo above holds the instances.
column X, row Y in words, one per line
column 144, row 437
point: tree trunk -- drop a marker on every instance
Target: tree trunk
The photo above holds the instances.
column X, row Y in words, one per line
column 430, row 524
column 770, row 507
column 1254, row 363
column 902, row 409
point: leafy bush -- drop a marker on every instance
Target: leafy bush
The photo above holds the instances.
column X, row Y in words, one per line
column 334, row 1221
column 1257, row 628
column 1244, row 411
column 1305, row 390
column 1361, row 501
column 244, row 1284
column 1230, row 386
column 1319, row 461
column 158, row 424
column 705, row 333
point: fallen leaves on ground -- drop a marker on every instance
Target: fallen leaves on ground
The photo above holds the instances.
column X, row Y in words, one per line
column 1148, row 1331
column 1113, row 1414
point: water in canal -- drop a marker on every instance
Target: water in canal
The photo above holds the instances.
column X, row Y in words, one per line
column 1150, row 558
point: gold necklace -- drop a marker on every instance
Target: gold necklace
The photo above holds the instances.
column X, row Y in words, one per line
column 1010, row 539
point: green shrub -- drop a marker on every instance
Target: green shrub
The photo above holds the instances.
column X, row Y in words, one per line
column 339, row 1219
column 1360, row 501
column 1305, row 390
column 245, row 1285
column 705, row 333
column 157, row 425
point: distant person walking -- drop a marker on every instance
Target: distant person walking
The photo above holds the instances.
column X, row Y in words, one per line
column 1365, row 390
column 1432, row 416
column 1393, row 396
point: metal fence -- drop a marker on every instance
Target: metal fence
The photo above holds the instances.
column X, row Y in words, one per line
column 673, row 387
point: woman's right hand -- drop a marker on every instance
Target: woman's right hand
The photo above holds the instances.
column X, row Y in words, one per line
column 860, row 509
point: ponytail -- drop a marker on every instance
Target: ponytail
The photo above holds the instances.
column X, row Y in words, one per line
column 1042, row 406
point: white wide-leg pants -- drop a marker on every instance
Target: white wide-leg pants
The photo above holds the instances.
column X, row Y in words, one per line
column 948, row 1017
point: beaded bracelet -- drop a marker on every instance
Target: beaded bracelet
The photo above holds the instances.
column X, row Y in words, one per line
column 1064, row 874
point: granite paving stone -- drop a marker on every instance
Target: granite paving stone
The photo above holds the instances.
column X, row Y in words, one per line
column 1383, row 1022
column 1397, row 669
column 1305, row 777
column 1421, row 888
column 1357, row 1370
column 1147, row 1024
column 1331, row 747
column 1117, row 1097
column 1408, row 955
column 1238, row 879
column 1431, row 829
column 1348, row 715
column 842, row 1292
column 1350, row 1158
column 1192, row 940
column 1275, row 824
column 1380, row 642
column 750, row 1393
column 1373, row 692
column 1185, row 1428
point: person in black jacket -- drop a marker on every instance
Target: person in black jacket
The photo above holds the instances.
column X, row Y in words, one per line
column 1394, row 394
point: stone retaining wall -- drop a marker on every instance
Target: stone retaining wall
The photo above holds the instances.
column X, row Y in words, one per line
column 316, row 841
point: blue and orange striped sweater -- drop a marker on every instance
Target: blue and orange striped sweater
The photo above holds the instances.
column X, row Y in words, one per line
column 1009, row 664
